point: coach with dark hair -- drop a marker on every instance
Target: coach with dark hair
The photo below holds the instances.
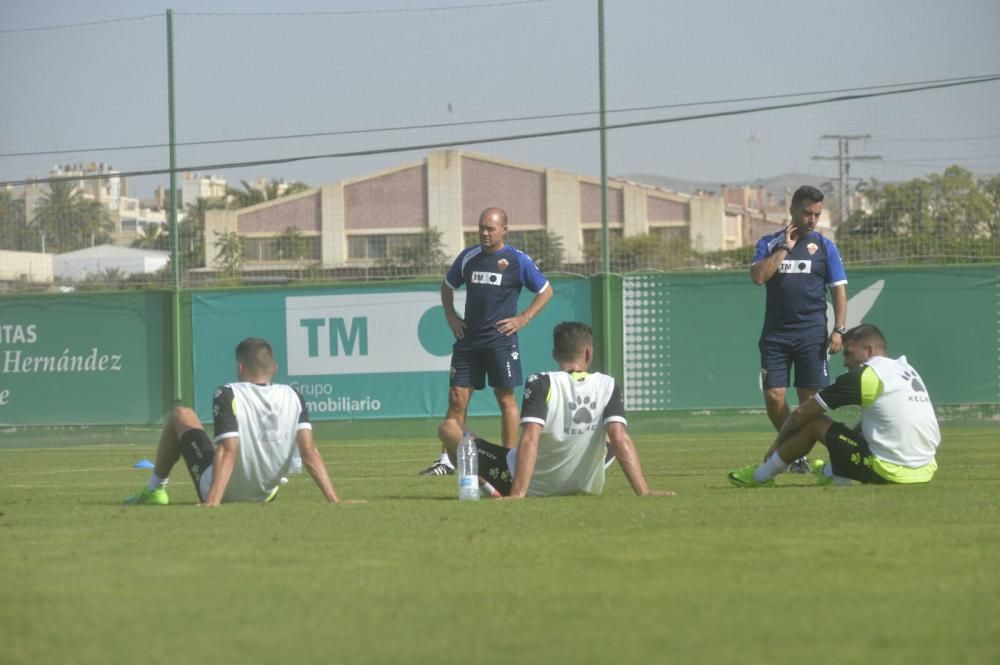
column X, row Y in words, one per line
column 796, row 265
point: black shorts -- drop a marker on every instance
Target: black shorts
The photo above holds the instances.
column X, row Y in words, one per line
column 471, row 367
column 850, row 456
column 493, row 466
column 198, row 453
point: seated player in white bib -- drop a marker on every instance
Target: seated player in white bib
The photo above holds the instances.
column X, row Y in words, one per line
column 895, row 442
column 566, row 417
column 259, row 428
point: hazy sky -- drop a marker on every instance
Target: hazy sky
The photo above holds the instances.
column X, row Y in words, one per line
column 371, row 75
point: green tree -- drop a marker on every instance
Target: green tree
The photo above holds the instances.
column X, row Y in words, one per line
column 991, row 188
column 640, row 252
column 545, row 248
column 14, row 232
column 939, row 206
column 423, row 254
column 291, row 244
column 944, row 217
column 958, row 205
column 229, row 254
column 71, row 221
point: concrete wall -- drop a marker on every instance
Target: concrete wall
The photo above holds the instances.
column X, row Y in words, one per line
column 708, row 216
column 66, row 266
column 562, row 201
column 444, row 199
column 34, row 267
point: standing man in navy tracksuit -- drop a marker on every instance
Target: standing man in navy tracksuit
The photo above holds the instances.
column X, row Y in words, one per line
column 486, row 337
column 796, row 265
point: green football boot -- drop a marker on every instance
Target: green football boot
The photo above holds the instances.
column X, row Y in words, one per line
column 816, row 467
column 744, row 478
column 148, row 497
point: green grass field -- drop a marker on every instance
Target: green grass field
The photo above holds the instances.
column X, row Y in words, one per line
column 794, row 574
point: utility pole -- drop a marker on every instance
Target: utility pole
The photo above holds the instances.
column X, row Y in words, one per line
column 752, row 138
column 844, row 160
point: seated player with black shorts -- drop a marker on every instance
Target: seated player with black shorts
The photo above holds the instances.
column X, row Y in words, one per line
column 896, row 440
column 565, row 416
column 259, row 427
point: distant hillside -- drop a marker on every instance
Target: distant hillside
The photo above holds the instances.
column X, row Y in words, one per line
column 776, row 185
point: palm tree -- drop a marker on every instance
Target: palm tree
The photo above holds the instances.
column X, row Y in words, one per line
column 71, row 221
column 229, row 256
column 291, row 244
column 98, row 281
column 153, row 236
column 14, row 233
column 252, row 195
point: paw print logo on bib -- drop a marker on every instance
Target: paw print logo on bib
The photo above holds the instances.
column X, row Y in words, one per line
column 582, row 410
column 914, row 380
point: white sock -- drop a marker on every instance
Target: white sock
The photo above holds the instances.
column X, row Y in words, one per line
column 769, row 469
column 837, row 480
column 444, row 458
column 156, row 482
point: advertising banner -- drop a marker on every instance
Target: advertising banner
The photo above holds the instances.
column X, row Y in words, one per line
column 360, row 352
column 84, row 359
column 690, row 341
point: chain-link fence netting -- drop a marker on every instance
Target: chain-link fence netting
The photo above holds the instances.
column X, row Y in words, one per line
column 362, row 145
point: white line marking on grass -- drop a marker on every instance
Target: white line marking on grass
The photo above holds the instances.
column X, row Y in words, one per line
column 42, row 473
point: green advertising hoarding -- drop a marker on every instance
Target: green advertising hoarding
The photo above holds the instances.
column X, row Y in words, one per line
column 80, row 359
column 690, row 340
column 359, row 352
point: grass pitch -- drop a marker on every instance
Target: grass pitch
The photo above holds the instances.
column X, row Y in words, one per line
column 795, row 574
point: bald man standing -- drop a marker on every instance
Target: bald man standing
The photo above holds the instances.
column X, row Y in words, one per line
column 486, row 336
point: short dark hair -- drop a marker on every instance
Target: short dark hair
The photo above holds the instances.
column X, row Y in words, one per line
column 806, row 193
column 255, row 354
column 867, row 335
column 570, row 338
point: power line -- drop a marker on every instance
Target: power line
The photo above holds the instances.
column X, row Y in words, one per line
column 471, row 123
column 81, row 25
column 955, row 139
column 513, row 137
column 352, row 12
column 405, row 10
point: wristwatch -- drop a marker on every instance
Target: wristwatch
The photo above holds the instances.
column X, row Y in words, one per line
column 840, row 330
column 781, row 245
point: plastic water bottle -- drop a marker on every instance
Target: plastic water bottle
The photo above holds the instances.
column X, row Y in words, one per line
column 296, row 466
column 468, row 469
